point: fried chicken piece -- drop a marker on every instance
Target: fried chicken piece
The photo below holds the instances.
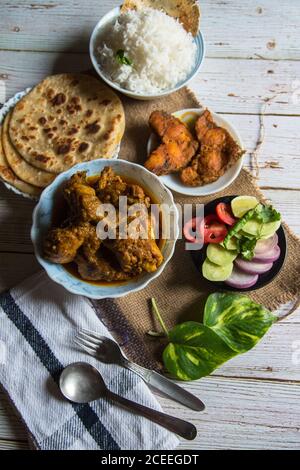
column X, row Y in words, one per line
column 61, row 244
column 178, row 146
column 81, row 198
column 203, row 124
column 91, row 264
column 189, row 175
column 217, row 153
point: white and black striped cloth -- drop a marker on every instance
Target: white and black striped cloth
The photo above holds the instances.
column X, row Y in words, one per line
column 38, row 321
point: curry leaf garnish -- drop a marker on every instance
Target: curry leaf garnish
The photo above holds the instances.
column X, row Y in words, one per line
column 233, row 324
column 122, row 59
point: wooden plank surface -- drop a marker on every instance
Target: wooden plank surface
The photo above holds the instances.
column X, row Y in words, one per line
column 13, row 445
column 253, row 400
column 216, row 84
column 244, row 414
column 279, row 152
column 244, row 29
column 247, row 414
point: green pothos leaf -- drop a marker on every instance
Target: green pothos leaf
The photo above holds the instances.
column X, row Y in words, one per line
column 194, row 351
column 237, row 320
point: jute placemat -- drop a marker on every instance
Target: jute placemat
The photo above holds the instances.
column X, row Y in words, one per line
column 178, row 290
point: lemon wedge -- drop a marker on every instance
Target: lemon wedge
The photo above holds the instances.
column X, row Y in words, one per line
column 242, row 204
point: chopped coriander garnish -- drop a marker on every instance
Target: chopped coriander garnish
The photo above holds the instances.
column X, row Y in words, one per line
column 122, row 59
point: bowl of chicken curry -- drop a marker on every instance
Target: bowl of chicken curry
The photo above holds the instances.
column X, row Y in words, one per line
column 105, row 228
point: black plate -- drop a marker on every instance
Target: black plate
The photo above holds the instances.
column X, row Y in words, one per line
column 263, row 279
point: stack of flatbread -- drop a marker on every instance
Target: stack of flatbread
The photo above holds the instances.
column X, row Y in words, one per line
column 66, row 119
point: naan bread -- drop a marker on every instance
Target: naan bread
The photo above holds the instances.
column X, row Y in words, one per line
column 20, row 167
column 186, row 11
column 6, row 174
column 67, row 119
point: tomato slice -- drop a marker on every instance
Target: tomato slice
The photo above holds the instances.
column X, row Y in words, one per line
column 225, row 214
column 191, row 230
column 214, row 231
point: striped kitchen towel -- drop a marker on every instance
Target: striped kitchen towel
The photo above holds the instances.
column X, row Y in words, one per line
column 38, row 322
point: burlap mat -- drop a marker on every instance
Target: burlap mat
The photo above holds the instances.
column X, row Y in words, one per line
column 178, row 290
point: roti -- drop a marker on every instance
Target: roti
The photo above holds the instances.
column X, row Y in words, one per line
column 67, row 119
column 186, row 11
column 20, row 167
column 7, row 175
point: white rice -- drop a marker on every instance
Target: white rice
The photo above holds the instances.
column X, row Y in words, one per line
column 161, row 51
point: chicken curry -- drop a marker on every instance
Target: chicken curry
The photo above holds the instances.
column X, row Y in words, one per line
column 75, row 242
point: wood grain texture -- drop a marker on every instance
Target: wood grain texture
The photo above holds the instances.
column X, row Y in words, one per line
column 11, row 426
column 13, row 445
column 243, row 414
column 253, row 400
column 240, row 414
column 247, row 29
column 226, row 85
column 280, row 149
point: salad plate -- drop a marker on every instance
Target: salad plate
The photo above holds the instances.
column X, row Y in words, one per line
column 265, row 268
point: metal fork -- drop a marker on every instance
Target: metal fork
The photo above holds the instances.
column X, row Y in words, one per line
column 106, row 350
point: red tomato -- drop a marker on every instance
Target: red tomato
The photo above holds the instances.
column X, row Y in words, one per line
column 225, row 214
column 191, row 230
column 213, row 230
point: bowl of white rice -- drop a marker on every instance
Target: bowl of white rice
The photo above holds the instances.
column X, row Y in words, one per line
column 146, row 53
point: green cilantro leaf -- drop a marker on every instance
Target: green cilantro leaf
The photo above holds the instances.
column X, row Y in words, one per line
column 246, row 247
column 267, row 214
column 122, row 59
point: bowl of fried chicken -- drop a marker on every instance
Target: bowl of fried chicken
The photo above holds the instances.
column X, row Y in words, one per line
column 194, row 151
column 105, row 228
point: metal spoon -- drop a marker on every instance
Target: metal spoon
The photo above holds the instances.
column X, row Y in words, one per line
column 82, row 383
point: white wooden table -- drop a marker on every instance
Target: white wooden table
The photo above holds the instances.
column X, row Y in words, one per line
column 253, row 55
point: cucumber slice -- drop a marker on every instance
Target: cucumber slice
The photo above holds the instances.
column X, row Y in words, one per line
column 260, row 230
column 253, row 227
column 213, row 272
column 247, row 235
column 242, row 204
column 270, row 228
column 232, row 244
column 219, row 255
